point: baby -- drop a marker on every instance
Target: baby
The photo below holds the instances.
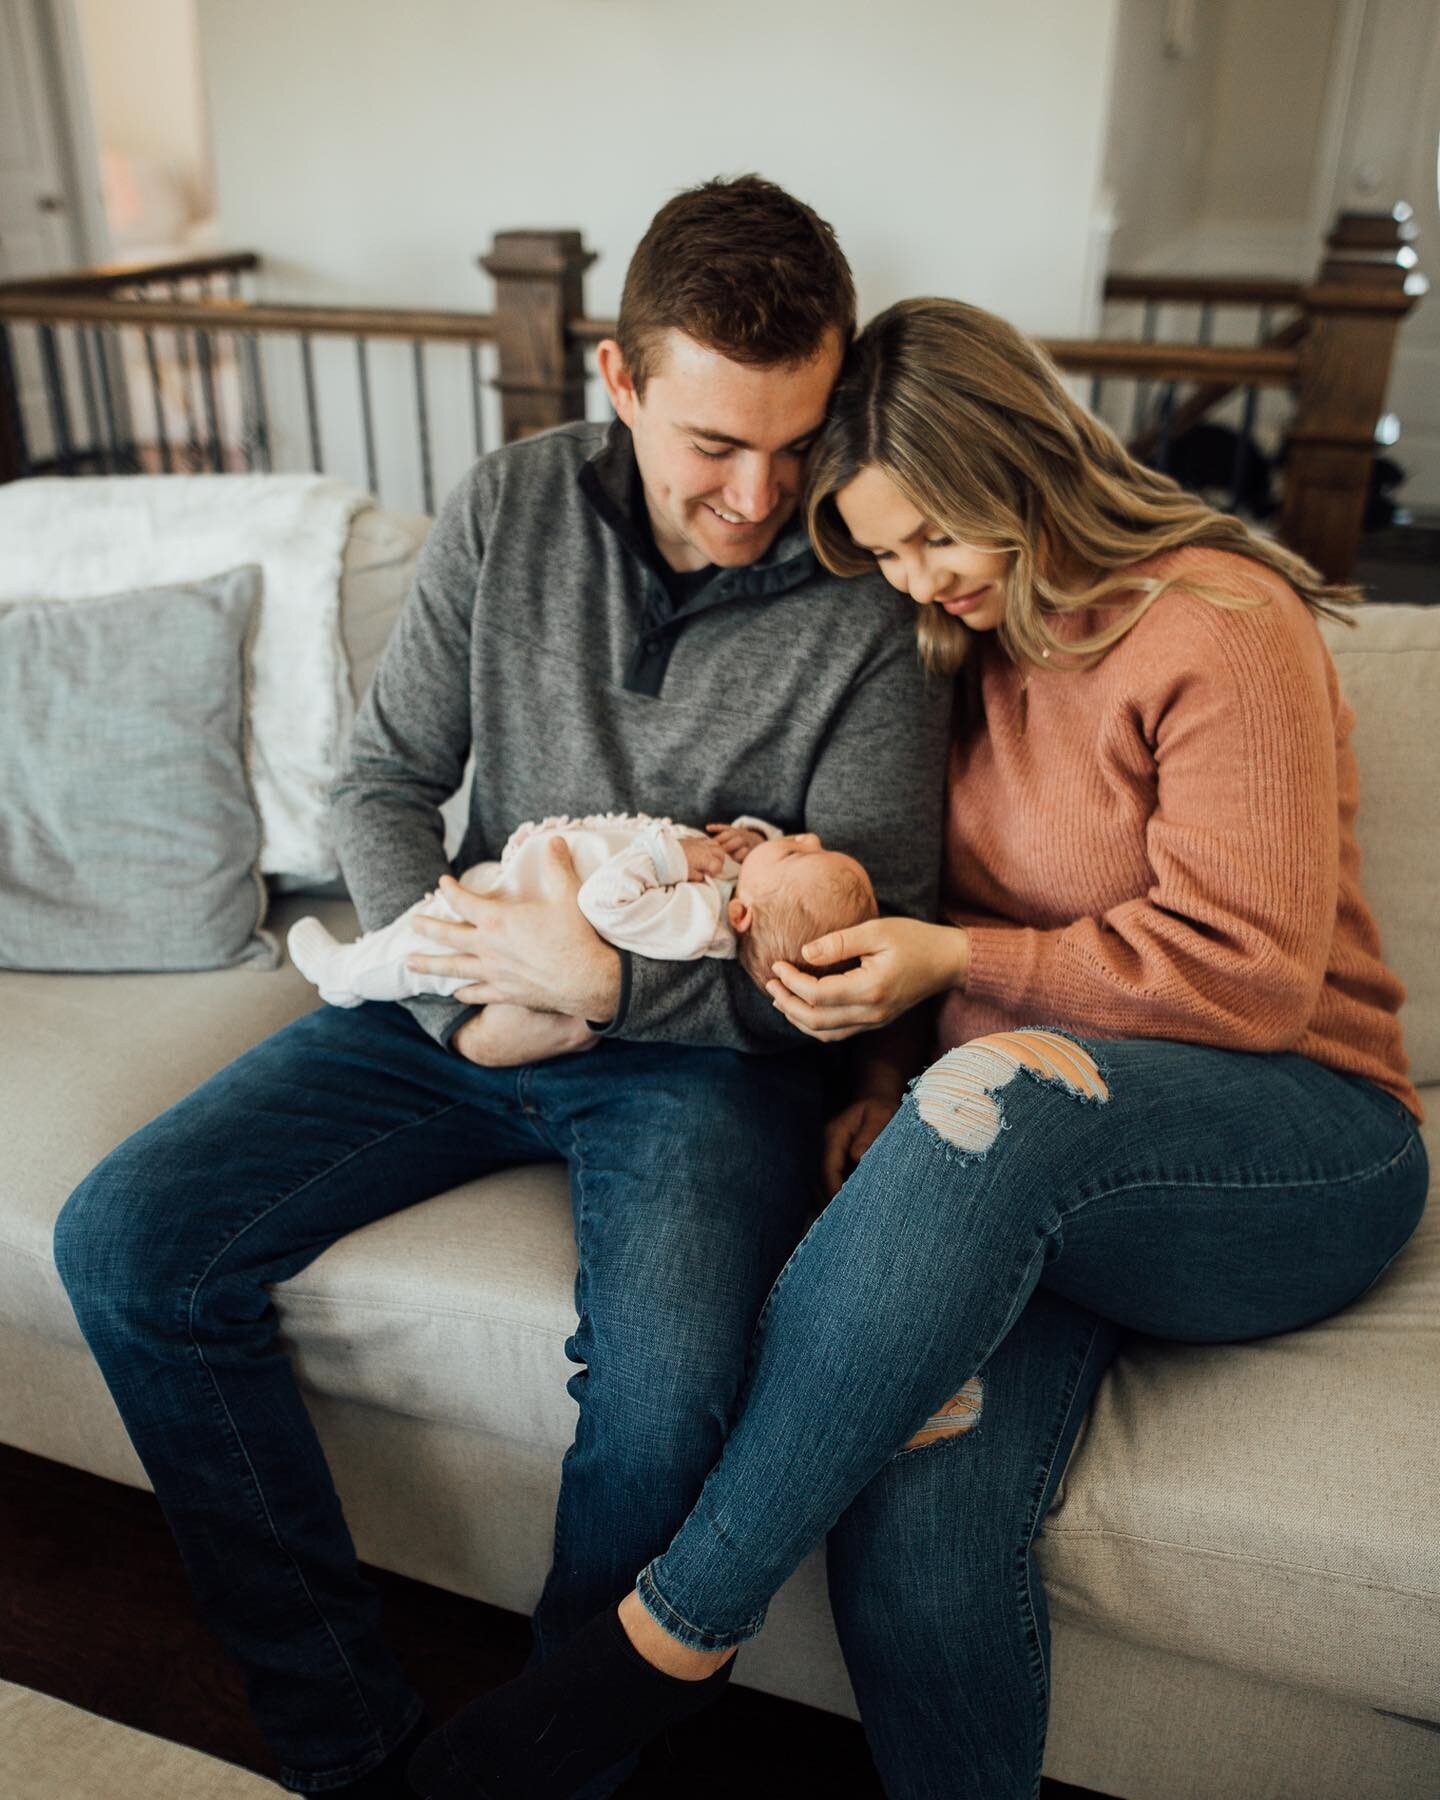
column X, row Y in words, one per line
column 647, row 885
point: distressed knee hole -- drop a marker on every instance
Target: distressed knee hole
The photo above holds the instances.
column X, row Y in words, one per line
column 960, row 1413
column 956, row 1096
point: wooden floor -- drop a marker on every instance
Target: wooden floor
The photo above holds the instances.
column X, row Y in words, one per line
column 94, row 1609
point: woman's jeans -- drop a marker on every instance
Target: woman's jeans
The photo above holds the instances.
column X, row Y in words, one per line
column 1003, row 1228
column 690, row 1176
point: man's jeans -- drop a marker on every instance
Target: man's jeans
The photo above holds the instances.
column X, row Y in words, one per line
column 691, row 1173
column 1005, row 1226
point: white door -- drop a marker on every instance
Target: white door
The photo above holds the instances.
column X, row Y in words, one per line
column 1388, row 152
column 37, row 235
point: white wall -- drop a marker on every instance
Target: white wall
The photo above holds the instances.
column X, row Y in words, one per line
column 1273, row 64
column 370, row 150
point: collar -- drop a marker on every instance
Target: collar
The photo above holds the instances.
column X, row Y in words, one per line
column 610, row 482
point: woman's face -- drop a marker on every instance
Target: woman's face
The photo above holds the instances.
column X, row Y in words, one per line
column 914, row 555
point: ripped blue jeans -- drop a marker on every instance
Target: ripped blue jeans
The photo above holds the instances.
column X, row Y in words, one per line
column 926, row 1356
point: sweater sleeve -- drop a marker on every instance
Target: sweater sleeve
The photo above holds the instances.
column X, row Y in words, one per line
column 411, row 738
column 1229, row 944
column 643, row 901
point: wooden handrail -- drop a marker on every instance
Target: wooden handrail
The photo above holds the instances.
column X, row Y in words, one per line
column 1216, row 290
column 104, row 278
column 1234, row 364
column 239, row 315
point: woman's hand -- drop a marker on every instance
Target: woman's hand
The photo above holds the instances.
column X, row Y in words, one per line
column 902, row 962
column 850, row 1134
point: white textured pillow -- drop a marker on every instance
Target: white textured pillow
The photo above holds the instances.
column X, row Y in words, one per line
column 68, row 539
column 128, row 838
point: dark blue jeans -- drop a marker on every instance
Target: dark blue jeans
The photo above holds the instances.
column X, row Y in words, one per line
column 690, row 1177
column 1007, row 1225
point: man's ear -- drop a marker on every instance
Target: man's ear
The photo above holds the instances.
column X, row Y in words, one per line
column 619, row 382
column 741, row 916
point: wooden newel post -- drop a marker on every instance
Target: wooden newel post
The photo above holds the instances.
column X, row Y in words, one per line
column 1354, row 310
column 539, row 288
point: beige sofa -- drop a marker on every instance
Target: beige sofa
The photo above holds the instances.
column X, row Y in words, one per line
column 1242, row 1559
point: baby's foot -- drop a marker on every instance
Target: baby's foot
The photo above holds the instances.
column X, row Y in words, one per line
column 505, row 1036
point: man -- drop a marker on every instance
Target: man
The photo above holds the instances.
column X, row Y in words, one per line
column 615, row 618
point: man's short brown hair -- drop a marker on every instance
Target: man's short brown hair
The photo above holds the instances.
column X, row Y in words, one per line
column 743, row 268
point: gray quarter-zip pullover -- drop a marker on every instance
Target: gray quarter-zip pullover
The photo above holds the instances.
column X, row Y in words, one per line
column 538, row 635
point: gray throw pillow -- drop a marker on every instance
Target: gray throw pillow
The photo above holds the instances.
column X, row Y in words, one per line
column 128, row 832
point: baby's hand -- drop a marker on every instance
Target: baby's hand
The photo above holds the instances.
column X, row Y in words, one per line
column 702, row 858
column 737, row 841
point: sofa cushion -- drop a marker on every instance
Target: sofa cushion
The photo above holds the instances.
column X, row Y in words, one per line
column 401, row 1315
column 1270, row 1507
column 129, row 837
column 1389, row 666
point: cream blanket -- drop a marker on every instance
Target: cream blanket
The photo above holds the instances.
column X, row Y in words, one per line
column 76, row 539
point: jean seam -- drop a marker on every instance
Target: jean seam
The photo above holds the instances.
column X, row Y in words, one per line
column 356, row 1771
column 238, row 1437
column 1384, row 1166
column 576, row 1168
column 1077, row 1370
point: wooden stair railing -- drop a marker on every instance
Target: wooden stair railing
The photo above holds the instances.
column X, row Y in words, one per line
column 1334, row 357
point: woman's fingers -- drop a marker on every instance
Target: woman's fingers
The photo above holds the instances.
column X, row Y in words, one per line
column 828, row 991
column 840, row 946
column 821, row 1021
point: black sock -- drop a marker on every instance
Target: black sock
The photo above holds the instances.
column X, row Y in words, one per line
column 543, row 1735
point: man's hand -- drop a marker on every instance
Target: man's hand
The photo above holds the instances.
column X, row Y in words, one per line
column 850, row 1134
column 737, row 841
column 503, row 1037
column 702, row 858
column 542, row 953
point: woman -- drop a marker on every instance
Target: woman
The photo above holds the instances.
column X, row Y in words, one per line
column 1172, row 1096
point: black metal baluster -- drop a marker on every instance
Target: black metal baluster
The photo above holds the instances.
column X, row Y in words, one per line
column 262, row 414
column 234, row 284
column 1264, row 322
column 1142, row 388
column 1242, row 449
column 1162, row 444
column 1207, row 321
column 113, row 462
column 55, row 399
column 87, row 388
column 162, row 436
column 1097, row 384
column 205, row 357
column 367, row 422
column 10, row 387
column 312, row 413
column 422, row 421
column 182, row 357
column 476, row 415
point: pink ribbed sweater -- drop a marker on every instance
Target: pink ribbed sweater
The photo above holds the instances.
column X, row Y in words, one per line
column 1164, row 845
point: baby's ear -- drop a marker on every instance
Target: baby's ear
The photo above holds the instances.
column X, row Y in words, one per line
column 741, row 916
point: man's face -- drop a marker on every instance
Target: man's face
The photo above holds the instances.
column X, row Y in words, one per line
column 722, row 446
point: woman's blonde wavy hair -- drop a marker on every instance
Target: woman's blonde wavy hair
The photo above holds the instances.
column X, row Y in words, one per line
column 972, row 423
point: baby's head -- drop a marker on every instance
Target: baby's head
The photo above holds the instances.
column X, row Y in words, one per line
column 791, row 891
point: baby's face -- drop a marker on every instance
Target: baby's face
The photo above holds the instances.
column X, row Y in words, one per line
column 788, row 864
